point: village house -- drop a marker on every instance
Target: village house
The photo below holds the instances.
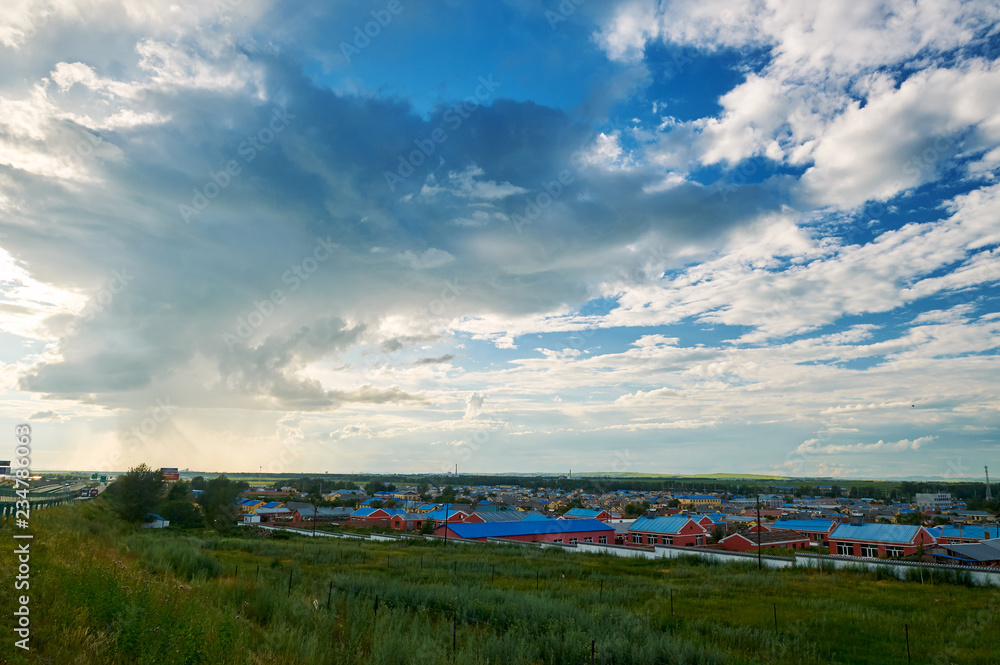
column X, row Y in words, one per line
column 698, row 500
column 678, row 530
column 964, row 533
column 878, row 540
column 751, row 541
column 568, row 532
column 587, row 513
column 818, row 531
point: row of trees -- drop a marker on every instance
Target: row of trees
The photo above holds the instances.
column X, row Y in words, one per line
column 142, row 491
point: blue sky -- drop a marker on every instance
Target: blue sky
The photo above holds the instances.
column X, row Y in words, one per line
column 672, row 237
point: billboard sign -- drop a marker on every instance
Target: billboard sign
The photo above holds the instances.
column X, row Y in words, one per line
column 170, row 474
column 4, row 467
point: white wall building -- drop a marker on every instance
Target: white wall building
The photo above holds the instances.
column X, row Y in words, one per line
column 933, row 501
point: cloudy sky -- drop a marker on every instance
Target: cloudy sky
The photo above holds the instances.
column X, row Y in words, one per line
column 687, row 236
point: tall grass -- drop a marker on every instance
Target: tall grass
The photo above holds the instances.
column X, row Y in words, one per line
column 107, row 594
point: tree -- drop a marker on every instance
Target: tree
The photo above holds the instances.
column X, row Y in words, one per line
column 219, row 502
column 718, row 533
column 182, row 514
column 137, row 493
column 179, row 491
column 636, row 509
column 427, row 527
column 674, row 503
column 198, row 483
column 375, row 486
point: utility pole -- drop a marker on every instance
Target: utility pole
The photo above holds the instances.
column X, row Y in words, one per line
column 760, row 563
column 989, row 493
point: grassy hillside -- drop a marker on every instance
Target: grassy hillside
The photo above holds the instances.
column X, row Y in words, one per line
column 106, row 595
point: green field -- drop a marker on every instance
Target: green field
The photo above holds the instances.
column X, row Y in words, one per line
column 104, row 593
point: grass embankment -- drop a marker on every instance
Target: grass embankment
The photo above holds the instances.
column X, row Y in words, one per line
column 106, row 595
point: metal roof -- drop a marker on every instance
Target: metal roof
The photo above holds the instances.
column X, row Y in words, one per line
column 582, row 512
column 526, row 528
column 672, row 524
column 440, row 514
column 969, row 531
column 821, row 526
column 501, row 516
column 984, row 551
column 877, row 533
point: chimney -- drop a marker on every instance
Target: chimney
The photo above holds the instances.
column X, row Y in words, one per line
column 651, row 513
column 857, row 520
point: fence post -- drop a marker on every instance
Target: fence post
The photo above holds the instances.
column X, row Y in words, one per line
column 906, row 627
column 376, row 607
column 258, row 574
column 593, row 651
column 454, row 634
column 602, row 591
column 329, row 596
column 671, row 602
column 775, row 617
column 289, row 584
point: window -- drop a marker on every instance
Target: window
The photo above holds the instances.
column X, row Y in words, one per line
column 650, row 540
column 845, row 549
column 574, row 541
column 588, row 539
column 603, row 540
column 668, row 540
column 700, row 540
column 893, row 551
column 557, row 540
column 869, row 551
column 637, row 538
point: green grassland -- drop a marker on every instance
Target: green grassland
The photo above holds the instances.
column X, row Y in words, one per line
column 103, row 593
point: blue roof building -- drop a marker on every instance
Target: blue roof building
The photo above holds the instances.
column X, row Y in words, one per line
column 879, row 540
column 545, row 530
column 587, row 513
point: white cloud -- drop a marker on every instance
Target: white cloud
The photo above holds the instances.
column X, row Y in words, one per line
column 813, row 446
column 468, row 185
